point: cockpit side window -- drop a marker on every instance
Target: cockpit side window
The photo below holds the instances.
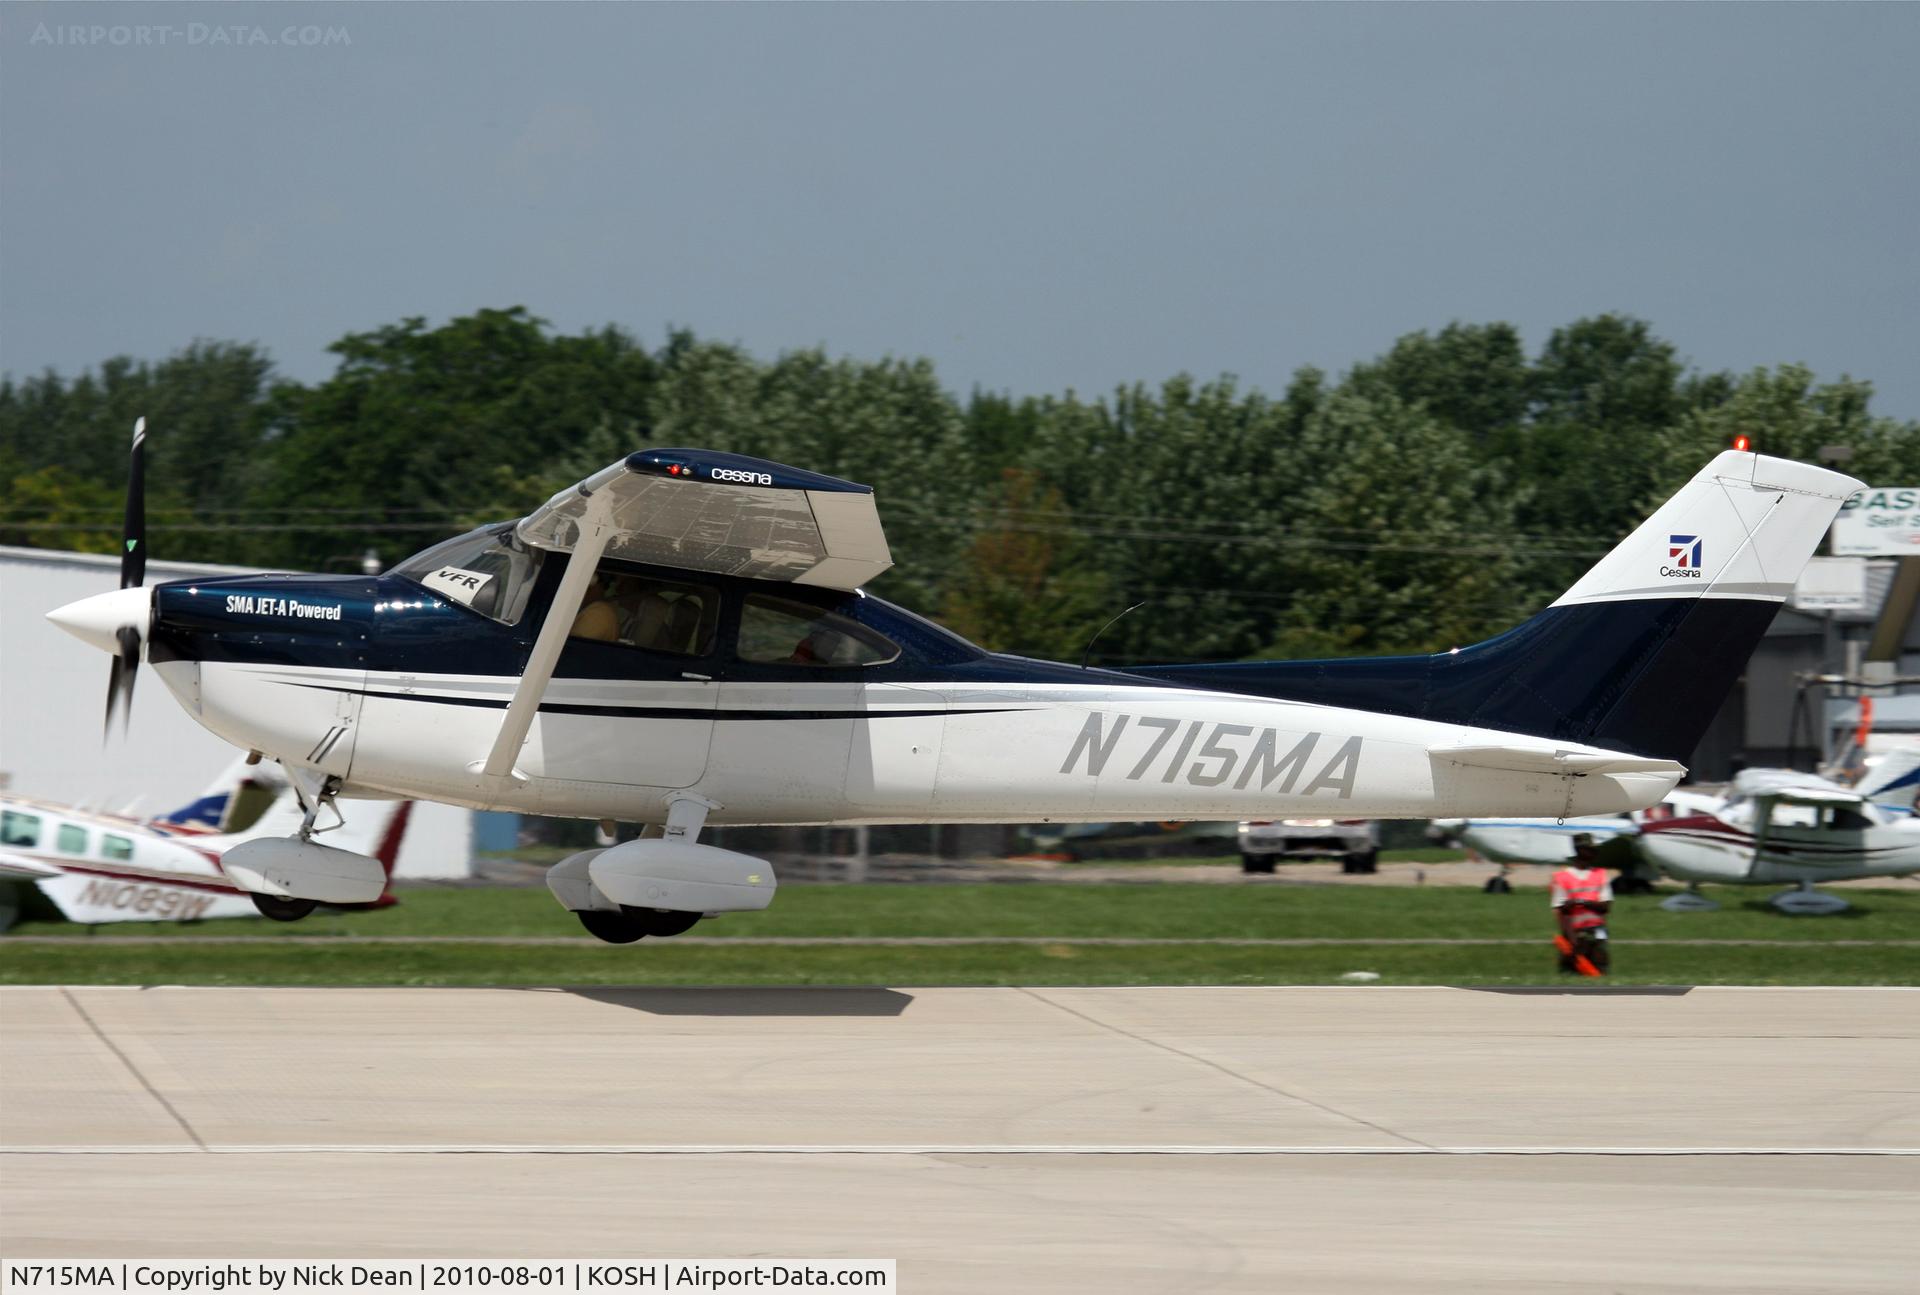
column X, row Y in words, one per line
column 488, row 571
column 17, row 828
column 786, row 632
column 644, row 612
column 1785, row 815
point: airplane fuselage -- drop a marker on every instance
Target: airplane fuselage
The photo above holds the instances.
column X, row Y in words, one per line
column 100, row 869
column 396, row 690
column 1706, row 848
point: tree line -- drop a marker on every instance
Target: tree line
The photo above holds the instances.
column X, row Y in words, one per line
column 1425, row 499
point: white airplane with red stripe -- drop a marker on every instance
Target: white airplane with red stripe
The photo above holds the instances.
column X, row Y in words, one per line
column 99, row 868
column 1778, row 826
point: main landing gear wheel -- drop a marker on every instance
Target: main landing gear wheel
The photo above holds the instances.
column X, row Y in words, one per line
column 280, row 909
column 630, row 924
column 1364, row 864
column 1689, row 900
column 614, row 928
column 1256, row 863
column 662, row 922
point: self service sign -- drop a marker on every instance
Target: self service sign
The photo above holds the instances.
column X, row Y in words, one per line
column 1880, row 521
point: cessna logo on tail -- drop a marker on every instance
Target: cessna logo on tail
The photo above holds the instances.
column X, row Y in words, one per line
column 1685, row 552
column 1273, row 763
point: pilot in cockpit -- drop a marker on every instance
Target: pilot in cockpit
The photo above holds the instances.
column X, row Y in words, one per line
column 598, row 618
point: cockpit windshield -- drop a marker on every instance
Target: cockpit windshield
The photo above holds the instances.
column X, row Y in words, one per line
column 489, row 571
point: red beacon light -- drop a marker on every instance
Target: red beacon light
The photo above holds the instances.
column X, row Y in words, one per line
column 1743, row 442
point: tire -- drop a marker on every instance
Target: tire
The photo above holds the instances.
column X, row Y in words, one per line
column 1256, row 863
column 1361, row 863
column 661, row 922
column 275, row 908
column 614, row 928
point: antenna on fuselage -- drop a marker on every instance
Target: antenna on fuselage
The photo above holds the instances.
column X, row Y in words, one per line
column 1087, row 656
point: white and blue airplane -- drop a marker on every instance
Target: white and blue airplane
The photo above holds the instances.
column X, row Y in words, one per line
column 683, row 639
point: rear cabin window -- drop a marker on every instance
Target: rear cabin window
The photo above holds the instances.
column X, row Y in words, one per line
column 19, row 829
column 1844, row 818
column 118, row 848
column 642, row 612
column 73, row 840
column 776, row 631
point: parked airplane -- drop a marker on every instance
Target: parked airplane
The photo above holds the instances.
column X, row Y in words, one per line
column 104, row 868
column 1548, row 842
column 682, row 638
column 1890, row 787
column 1892, row 781
column 1776, row 825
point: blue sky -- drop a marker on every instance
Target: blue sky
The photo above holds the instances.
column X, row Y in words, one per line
column 1036, row 197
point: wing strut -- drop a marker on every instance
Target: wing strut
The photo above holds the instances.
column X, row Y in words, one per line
column 595, row 529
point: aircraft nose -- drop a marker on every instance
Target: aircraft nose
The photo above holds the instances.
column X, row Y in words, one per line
column 99, row 619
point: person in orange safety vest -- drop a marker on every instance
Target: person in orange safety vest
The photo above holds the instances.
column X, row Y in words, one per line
column 1582, row 894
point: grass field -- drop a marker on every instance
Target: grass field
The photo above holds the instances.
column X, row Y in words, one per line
column 441, row 937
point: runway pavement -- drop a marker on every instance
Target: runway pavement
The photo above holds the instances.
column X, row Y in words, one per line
column 1113, row 1139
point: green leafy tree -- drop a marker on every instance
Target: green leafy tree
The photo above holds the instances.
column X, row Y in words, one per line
column 203, row 412
column 422, row 428
column 1183, row 489
column 52, row 508
column 886, row 423
column 1402, row 537
column 1785, row 412
column 1025, row 583
column 1473, row 377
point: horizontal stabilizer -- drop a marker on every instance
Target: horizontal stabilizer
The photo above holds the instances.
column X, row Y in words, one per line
column 1521, row 759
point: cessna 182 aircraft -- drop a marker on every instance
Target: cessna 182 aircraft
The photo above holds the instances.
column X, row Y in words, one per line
column 1777, row 825
column 682, row 639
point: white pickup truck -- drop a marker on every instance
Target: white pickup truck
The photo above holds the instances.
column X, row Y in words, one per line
column 1353, row 841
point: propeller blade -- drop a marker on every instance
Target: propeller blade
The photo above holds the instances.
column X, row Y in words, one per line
column 126, row 668
column 113, row 698
column 133, row 572
column 133, row 550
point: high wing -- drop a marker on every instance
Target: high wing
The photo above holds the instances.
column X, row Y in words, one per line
column 1793, row 788
column 703, row 510
column 695, row 510
column 1811, row 796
